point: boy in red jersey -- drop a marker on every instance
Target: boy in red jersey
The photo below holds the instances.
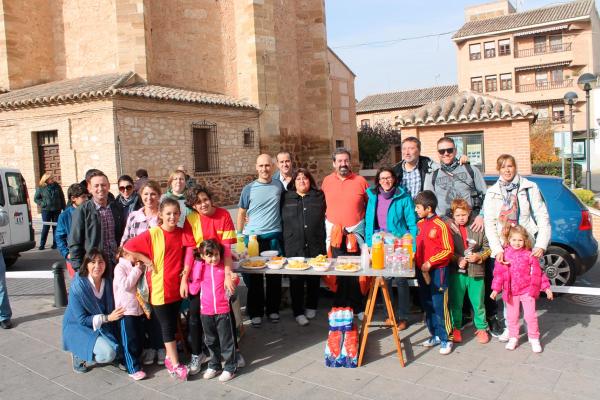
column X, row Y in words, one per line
column 434, row 252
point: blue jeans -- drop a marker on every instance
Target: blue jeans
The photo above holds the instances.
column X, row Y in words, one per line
column 104, row 351
column 434, row 299
column 5, row 311
column 403, row 300
column 49, row 216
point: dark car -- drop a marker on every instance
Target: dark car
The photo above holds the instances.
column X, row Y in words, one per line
column 573, row 249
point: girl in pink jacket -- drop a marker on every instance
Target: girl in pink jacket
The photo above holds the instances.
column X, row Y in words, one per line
column 208, row 277
column 126, row 276
column 521, row 279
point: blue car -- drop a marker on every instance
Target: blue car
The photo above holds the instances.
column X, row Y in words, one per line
column 573, row 249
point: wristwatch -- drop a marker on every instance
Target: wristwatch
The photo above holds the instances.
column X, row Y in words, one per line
column 104, row 318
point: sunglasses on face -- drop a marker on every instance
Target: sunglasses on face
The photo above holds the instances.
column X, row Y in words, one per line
column 124, row 188
column 446, row 151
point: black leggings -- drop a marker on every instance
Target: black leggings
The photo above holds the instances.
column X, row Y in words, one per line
column 167, row 315
column 195, row 327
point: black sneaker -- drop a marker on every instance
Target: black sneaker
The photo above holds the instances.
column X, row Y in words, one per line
column 496, row 327
column 6, row 324
column 79, row 366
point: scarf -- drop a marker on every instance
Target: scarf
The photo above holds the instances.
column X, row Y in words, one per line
column 128, row 202
column 509, row 212
column 451, row 167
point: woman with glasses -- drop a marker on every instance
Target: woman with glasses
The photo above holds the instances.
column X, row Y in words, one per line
column 391, row 209
column 128, row 198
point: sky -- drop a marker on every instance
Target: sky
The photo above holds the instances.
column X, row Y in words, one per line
column 400, row 64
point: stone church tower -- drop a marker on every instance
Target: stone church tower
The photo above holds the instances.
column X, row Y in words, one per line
column 146, row 78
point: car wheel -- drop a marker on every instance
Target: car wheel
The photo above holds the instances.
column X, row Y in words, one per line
column 10, row 260
column 559, row 266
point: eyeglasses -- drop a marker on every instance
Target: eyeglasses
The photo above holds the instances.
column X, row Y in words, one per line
column 124, row 188
column 447, row 151
column 386, row 178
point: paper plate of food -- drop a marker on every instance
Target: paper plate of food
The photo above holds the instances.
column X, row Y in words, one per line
column 254, row 263
column 347, row 267
column 276, row 262
column 297, row 264
column 320, row 263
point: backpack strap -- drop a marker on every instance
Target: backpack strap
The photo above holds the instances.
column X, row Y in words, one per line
column 434, row 177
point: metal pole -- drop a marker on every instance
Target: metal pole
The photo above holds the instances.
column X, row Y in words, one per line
column 571, row 129
column 588, row 172
column 60, row 289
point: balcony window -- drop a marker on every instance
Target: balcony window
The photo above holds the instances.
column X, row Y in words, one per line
column 505, row 81
column 490, row 49
column 477, row 85
column 542, row 113
column 558, row 113
column 556, row 43
column 504, row 47
column 475, row 51
column 491, row 83
column 557, row 75
column 541, row 78
column 539, row 44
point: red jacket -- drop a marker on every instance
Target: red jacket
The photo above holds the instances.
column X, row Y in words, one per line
column 434, row 243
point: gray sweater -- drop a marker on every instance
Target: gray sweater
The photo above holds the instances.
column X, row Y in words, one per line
column 457, row 184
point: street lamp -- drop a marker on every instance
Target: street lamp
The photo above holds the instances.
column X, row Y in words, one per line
column 587, row 82
column 570, row 99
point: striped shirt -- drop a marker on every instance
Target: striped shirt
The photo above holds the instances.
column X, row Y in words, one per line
column 411, row 180
column 138, row 222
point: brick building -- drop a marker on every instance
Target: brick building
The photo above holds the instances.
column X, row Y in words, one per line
column 532, row 57
column 126, row 84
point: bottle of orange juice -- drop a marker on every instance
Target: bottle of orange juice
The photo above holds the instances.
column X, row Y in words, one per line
column 377, row 257
column 253, row 246
column 240, row 246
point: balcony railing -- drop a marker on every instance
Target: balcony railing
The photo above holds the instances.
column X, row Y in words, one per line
column 544, row 85
column 543, row 49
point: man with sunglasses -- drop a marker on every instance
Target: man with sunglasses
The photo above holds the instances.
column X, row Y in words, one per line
column 453, row 181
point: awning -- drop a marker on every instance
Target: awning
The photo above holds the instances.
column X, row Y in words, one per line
column 543, row 66
column 545, row 101
column 542, row 30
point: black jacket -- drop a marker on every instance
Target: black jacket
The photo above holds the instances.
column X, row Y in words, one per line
column 303, row 222
column 86, row 232
column 424, row 166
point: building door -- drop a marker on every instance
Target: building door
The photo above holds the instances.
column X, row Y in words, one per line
column 49, row 154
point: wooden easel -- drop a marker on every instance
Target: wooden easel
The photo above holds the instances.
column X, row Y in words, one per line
column 376, row 284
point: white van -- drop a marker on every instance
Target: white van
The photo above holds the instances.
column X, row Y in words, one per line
column 17, row 236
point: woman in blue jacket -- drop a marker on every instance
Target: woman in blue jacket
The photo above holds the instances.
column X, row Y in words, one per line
column 89, row 329
column 391, row 209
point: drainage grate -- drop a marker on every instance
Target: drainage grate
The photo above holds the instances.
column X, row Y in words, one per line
column 583, row 300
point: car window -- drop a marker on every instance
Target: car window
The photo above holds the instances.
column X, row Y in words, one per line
column 15, row 188
column 2, row 194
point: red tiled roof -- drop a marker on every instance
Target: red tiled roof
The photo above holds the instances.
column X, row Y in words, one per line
column 465, row 107
column 404, row 99
column 539, row 16
column 108, row 85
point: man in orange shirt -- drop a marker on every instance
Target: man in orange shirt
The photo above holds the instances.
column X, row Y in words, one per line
column 346, row 200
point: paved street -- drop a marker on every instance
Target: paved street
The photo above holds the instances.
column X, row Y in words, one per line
column 286, row 361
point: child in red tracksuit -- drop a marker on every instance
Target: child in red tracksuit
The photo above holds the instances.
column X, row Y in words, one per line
column 434, row 252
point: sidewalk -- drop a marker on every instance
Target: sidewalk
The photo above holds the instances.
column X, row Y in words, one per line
column 285, row 361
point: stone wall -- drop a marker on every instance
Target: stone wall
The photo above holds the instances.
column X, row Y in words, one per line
column 157, row 136
column 85, row 139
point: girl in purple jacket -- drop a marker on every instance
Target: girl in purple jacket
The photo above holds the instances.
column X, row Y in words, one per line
column 208, row 277
column 521, row 279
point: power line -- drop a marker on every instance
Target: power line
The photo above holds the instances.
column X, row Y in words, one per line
column 382, row 43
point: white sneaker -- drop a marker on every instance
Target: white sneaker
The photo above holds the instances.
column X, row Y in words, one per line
column 210, row 373
column 274, row 317
column 310, row 313
column 504, row 337
column 160, row 356
column 148, row 356
column 256, row 321
column 512, row 343
column 226, row 376
column 196, row 362
column 360, row 316
column 241, row 363
column 302, row 320
column 536, row 346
